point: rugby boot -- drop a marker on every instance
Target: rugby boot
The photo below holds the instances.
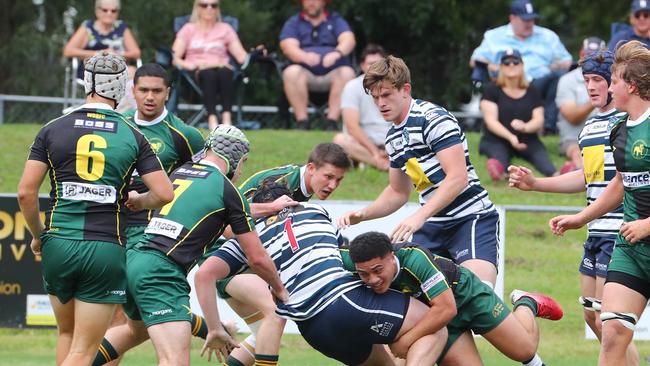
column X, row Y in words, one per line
column 547, row 308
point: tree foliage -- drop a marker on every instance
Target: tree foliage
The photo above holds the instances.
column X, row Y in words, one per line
column 435, row 37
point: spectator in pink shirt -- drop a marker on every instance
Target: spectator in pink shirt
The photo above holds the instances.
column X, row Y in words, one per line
column 204, row 45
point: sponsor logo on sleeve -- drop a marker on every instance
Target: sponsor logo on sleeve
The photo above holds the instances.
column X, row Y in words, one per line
column 89, row 192
column 636, row 179
column 432, row 281
column 164, row 227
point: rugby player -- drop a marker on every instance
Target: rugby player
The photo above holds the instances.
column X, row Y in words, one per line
column 89, row 153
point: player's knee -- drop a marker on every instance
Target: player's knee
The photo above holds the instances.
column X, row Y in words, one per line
column 524, row 351
column 617, row 329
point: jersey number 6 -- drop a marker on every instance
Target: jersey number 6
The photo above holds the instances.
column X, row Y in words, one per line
column 90, row 162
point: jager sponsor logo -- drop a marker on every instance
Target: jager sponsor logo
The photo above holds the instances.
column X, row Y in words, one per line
column 432, row 281
column 157, row 145
column 7, row 288
column 189, row 172
column 164, row 227
column 89, row 192
column 639, row 149
column 636, row 179
column 95, row 125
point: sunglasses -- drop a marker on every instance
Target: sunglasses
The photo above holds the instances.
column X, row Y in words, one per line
column 510, row 62
column 642, row 14
column 209, row 5
column 114, row 11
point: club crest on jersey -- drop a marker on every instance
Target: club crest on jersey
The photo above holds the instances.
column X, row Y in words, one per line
column 639, row 149
column 157, row 145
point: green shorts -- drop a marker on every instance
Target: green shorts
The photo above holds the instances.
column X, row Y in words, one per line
column 88, row 270
column 221, row 288
column 133, row 235
column 157, row 287
column 479, row 309
column 630, row 266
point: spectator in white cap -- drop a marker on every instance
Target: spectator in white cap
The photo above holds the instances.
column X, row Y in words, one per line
column 575, row 107
column 640, row 29
column 545, row 57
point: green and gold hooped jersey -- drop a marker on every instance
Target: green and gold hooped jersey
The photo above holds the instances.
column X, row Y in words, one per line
column 631, row 144
column 421, row 275
column 291, row 175
column 205, row 202
column 91, row 154
column 174, row 143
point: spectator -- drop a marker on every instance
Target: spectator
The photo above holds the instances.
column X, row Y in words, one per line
column 105, row 32
column 204, row 46
column 575, row 107
column 545, row 56
column 513, row 114
column 364, row 129
column 318, row 43
column 640, row 29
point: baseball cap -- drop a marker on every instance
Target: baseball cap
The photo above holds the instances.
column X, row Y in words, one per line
column 523, row 9
column 593, row 44
column 511, row 53
column 638, row 5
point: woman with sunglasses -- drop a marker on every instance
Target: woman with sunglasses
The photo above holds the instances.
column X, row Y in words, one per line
column 627, row 288
column 513, row 113
column 105, row 32
column 204, row 46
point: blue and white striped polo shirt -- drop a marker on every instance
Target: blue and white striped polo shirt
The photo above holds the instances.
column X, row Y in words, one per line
column 413, row 146
column 304, row 245
column 599, row 169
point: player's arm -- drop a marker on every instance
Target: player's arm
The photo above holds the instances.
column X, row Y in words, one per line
column 261, row 263
column 159, row 194
column 522, row 178
column 391, row 199
column 450, row 187
column 442, row 309
column 30, row 182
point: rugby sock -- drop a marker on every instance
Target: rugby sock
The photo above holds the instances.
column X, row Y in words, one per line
column 231, row 361
column 266, row 360
column 535, row 361
column 199, row 328
column 105, row 354
column 527, row 302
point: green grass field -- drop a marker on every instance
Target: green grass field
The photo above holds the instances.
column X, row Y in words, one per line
column 535, row 259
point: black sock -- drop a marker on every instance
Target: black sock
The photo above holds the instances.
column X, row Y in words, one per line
column 266, row 360
column 105, row 354
column 231, row 361
column 199, row 328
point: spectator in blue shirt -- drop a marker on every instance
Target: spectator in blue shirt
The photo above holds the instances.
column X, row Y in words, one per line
column 318, row 43
column 640, row 29
column 545, row 57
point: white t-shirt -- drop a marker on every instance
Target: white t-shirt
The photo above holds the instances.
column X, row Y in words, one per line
column 371, row 121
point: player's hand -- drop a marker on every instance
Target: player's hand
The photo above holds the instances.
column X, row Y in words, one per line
column 521, row 177
column 282, row 202
column 219, row 342
column 35, row 245
column 400, row 347
column 405, row 229
column 560, row 224
column 133, row 202
column 331, row 58
column 519, row 146
column 311, row 59
column 634, row 231
column 350, row 218
column 281, row 295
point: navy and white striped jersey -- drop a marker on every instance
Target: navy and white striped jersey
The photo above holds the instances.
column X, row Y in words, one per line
column 599, row 169
column 413, row 146
column 304, row 245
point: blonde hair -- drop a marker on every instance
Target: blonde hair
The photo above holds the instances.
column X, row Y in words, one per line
column 99, row 3
column 390, row 69
column 194, row 18
column 522, row 82
column 632, row 64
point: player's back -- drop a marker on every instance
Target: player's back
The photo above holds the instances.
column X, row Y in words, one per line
column 289, row 175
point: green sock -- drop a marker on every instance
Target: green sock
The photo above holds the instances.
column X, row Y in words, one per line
column 527, row 302
column 199, row 328
column 266, row 360
column 231, row 361
column 105, row 354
